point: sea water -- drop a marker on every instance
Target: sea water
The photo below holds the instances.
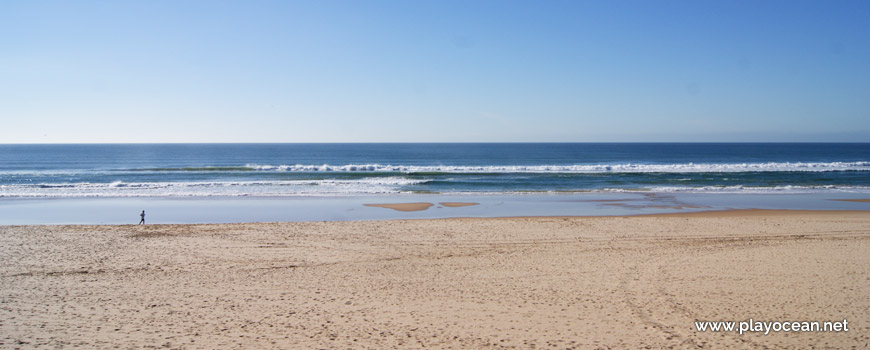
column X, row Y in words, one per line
column 271, row 170
column 105, row 183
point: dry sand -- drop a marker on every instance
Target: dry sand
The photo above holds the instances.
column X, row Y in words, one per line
column 585, row 283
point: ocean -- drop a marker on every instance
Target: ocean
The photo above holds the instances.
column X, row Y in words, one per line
column 282, row 170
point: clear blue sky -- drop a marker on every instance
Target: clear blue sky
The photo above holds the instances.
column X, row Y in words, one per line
column 396, row 71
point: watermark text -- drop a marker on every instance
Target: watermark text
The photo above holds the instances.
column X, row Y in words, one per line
column 771, row 326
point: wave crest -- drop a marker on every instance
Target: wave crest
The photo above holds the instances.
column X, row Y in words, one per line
column 580, row 168
column 376, row 185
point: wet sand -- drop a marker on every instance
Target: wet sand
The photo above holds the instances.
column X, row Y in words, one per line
column 853, row 200
column 402, row 206
column 458, row 204
column 419, row 206
column 544, row 282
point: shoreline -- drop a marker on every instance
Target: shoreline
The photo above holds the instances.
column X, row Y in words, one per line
column 726, row 213
column 254, row 209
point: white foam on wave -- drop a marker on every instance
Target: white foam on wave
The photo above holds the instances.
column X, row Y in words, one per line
column 746, row 189
column 379, row 185
column 698, row 189
column 580, row 168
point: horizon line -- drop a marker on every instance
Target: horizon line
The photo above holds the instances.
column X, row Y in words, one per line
column 421, row 142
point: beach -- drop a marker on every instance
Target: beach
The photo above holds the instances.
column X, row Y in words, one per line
column 523, row 282
column 440, row 175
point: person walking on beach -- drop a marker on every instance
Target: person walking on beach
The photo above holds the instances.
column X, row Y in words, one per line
column 142, row 221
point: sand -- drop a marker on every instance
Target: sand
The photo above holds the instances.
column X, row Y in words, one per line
column 584, row 283
column 853, row 200
column 458, row 204
column 403, row 206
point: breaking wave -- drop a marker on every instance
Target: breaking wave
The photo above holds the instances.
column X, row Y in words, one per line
column 381, row 185
column 590, row 168
column 746, row 189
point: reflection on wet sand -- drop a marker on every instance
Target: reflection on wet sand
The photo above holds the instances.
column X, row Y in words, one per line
column 419, row 206
column 649, row 200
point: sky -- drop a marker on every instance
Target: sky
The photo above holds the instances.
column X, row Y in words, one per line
column 434, row 71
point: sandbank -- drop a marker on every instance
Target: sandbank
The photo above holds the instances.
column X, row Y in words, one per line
column 458, row 204
column 403, row 206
